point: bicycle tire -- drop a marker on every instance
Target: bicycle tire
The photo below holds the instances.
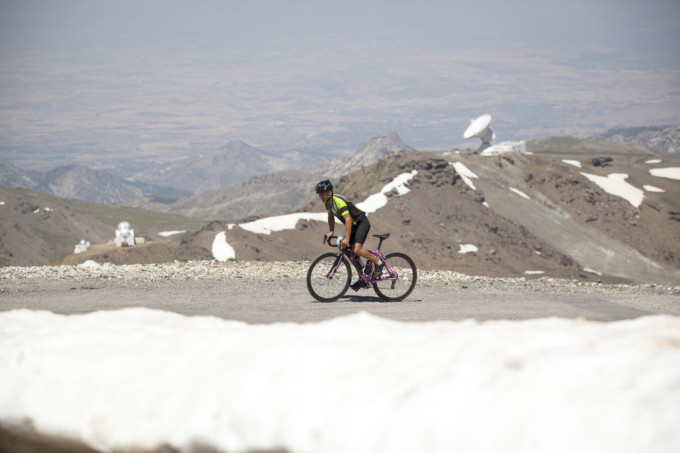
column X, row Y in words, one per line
column 396, row 290
column 326, row 289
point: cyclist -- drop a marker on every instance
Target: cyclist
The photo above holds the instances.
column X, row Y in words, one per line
column 356, row 225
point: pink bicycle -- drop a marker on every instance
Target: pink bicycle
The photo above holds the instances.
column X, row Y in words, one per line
column 329, row 275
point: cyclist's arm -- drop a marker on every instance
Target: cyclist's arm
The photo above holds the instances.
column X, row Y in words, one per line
column 331, row 225
column 348, row 230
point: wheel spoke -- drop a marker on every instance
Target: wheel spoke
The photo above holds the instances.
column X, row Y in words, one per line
column 325, row 283
column 405, row 270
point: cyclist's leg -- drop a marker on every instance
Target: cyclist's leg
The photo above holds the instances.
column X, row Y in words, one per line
column 359, row 234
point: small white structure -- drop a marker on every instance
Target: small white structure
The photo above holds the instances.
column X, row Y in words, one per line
column 505, row 147
column 125, row 235
column 82, row 246
column 479, row 128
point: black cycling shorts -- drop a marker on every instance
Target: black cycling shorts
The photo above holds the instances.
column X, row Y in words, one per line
column 360, row 232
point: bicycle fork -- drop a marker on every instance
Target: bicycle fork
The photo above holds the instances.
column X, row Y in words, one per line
column 334, row 268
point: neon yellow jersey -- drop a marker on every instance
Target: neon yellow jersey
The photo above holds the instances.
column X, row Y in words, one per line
column 340, row 206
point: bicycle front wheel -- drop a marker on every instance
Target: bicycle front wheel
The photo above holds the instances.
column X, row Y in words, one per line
column 326, row 283
column 397, row 283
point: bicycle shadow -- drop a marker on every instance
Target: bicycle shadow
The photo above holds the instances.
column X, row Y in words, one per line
column 361, row 299
column 356, row 298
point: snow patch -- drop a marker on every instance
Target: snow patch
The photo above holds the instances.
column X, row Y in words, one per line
column 520, row 193
column 669, row 172
column 166, row 234
column 615, row 184
column 379, row 200
column 467, row 248
column 592, row 271
column 575, row 163
column 221, row 250
column 288, row 221
column 89, row 264
column 282, row 222
column 466, row 174
column 652, row 189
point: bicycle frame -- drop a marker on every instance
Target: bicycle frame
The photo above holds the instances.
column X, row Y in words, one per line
column 352, row 259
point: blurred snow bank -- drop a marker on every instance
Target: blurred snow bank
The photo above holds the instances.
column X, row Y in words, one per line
column 140, row 379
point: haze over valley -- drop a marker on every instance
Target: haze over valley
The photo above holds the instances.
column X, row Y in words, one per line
column 124, row 86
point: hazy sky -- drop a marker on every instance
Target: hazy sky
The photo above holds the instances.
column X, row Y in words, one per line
column 166, row 78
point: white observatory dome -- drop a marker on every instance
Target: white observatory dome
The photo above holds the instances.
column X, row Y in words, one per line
column 124, row 228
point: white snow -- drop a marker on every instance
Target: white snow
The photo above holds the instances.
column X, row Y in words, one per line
column 575, row 163
column 221, row 250
column 615, row 184
column 89, row 264
column 653, row 161
column 139, row 379
column 288, row 221
column 2, row 203
column 379, row 200
column 466, row 174
column 669, row 172
column 282, row 222
column 520, row 193
column 534, row 272
column 171, row 233
column 467, row 248
column 652, row 189
column 592, row 271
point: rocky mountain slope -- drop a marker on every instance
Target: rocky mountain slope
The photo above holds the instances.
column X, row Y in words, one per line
column 511, row 215
column 370, row 152
column 665, row 139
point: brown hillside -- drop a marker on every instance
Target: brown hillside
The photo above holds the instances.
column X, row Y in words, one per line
column 528, row 215
column 39, row 229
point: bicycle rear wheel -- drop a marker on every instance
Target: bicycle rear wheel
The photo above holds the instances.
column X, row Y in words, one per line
column 406, row 276
column 323, row 286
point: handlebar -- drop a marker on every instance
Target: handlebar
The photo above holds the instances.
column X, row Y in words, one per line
column 338, row 240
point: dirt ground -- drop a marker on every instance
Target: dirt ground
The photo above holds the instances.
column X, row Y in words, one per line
column 287, row 300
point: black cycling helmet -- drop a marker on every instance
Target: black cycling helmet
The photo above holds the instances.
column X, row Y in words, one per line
column 324, row 186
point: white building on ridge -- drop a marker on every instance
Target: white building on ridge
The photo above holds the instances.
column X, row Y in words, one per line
column 125, row 235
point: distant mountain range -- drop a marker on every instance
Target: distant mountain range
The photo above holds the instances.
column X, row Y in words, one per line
column 76, row 181
column 231, row 164
column 226, row 167
column 279, row 191
column 663, row 138
column 216, row 185
column 368, row 153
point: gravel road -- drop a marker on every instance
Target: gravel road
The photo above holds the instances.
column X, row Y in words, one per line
column 266, row 292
